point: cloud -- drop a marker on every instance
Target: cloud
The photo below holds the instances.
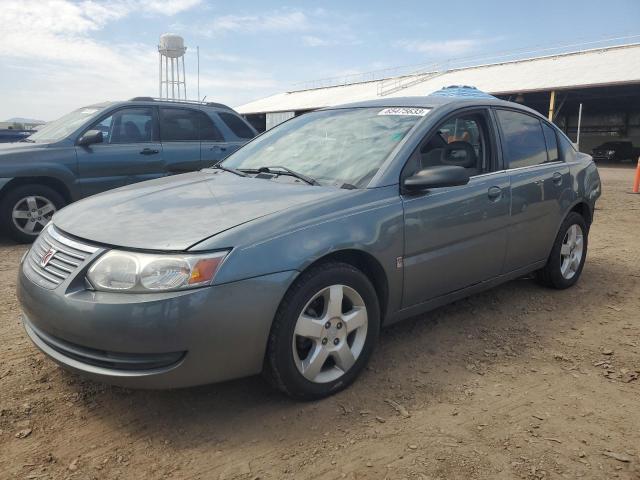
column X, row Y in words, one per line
column 313, row 41
column 441, row 48
column 279, row 21
column 53, row 61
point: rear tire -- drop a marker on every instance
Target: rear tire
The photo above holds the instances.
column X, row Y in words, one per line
column 569, row 252
column 26, row 209
column 323, row 333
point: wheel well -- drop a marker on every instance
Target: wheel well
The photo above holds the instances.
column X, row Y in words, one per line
column 366, row 263
column 50, row 182
column 584, row 210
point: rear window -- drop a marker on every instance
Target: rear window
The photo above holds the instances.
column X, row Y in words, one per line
column 236, row 125
column 181, row 124
column 523, row 141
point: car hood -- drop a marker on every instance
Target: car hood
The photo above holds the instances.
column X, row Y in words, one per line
column 16, row 147
column 174, row 213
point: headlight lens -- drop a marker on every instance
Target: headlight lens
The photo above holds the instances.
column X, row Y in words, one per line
column 118, row 271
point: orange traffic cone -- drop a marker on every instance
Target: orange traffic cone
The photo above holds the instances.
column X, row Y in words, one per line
column 636, row 180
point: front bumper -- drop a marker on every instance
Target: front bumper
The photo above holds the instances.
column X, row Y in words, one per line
column 157, row 341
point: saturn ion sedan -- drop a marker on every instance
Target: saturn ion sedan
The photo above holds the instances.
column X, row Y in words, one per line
column 289, row 256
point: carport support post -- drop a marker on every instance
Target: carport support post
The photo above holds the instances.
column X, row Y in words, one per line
column 552, row 104
column 579, row 122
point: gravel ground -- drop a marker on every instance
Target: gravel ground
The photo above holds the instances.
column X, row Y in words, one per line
column 517, row 382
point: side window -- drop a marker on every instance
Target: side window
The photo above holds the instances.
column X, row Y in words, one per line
column 128, row 125
column 551, row 141
column 523, row 141
column 236, row 125
column 462, row 140
column 182, row 124
column 208, row 130
column 567, row 151
column 178, row 124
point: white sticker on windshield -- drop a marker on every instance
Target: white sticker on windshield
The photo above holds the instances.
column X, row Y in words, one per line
column 89, row 111
column 418, row 112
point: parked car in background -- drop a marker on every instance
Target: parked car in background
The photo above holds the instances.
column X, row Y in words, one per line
column 618, row 151
column 109, row 145
column 8, row 135
column 289, row 256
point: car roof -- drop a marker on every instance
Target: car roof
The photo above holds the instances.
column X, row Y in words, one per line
column 429, row 101
column 164, row 102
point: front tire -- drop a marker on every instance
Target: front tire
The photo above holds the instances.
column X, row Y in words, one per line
column 26, row 209
column 569, row 252
column 323, row 333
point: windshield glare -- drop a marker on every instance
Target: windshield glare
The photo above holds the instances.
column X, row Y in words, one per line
column 334, row 147
column 62, row 127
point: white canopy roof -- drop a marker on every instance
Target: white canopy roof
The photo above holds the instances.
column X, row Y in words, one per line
column 590, row 68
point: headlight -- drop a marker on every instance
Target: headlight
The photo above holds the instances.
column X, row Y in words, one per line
column 611, row 152
column 119, row 271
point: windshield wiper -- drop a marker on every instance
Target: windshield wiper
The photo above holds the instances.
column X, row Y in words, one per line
column 229, row 169
column 27, row 140
column 288, row 171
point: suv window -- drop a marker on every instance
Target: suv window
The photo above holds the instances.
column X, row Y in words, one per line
column 127, row 125
column 182, row 124
column 551, row 141
column 461, row 140
column 523, row 141
column 236, row 125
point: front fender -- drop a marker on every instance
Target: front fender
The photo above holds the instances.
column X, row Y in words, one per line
column 370, row 221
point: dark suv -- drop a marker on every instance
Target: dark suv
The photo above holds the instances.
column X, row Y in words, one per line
column 100, row 147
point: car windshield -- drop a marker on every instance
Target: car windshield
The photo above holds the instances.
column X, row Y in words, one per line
column 62, row 127
column 333, row 147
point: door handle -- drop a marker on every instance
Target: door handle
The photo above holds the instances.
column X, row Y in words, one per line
column 149, row 151
column 494, row 193
column 218, row 147
column 557, row 178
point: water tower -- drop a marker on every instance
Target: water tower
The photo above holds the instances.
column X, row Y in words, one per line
column 172, row 50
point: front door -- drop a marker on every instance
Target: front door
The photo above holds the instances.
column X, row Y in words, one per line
column 539, row 181
column 130, row 151
column 456, row 236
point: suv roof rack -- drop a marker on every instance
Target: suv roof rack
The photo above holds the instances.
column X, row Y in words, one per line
column 171, row 100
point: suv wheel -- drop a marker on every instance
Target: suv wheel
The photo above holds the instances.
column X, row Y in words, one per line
column 568, row 254
column 26, row 209
column 323, row 333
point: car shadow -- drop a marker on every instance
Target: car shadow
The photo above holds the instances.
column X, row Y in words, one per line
column 436, row 353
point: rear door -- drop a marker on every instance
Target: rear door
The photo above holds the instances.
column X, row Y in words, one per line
column 180, row 131
column 456, row 236
column 214, row 145
column 130, row 151
column 539, row 182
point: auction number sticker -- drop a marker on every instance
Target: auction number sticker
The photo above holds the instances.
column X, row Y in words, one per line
column 416, row 112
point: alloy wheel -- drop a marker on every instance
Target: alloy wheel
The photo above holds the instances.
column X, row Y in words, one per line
column 31, row 214
column 330, row 333
column 571, row 251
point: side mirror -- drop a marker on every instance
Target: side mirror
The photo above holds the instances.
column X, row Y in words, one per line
column 436, row 177
column 90, row 137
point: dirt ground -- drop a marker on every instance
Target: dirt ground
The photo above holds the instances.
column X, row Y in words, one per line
column 517, row 382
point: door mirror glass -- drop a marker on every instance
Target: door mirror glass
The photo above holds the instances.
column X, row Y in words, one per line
column 436, row 177
column 91, row 137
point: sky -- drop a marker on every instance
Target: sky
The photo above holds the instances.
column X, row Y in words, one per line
column 59, row 55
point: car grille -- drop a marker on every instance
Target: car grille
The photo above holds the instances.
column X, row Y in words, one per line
column 54, row 257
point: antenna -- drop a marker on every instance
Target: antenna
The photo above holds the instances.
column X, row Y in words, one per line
column 171, row 49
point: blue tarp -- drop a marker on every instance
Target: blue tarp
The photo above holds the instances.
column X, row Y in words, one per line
column 461, row 91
